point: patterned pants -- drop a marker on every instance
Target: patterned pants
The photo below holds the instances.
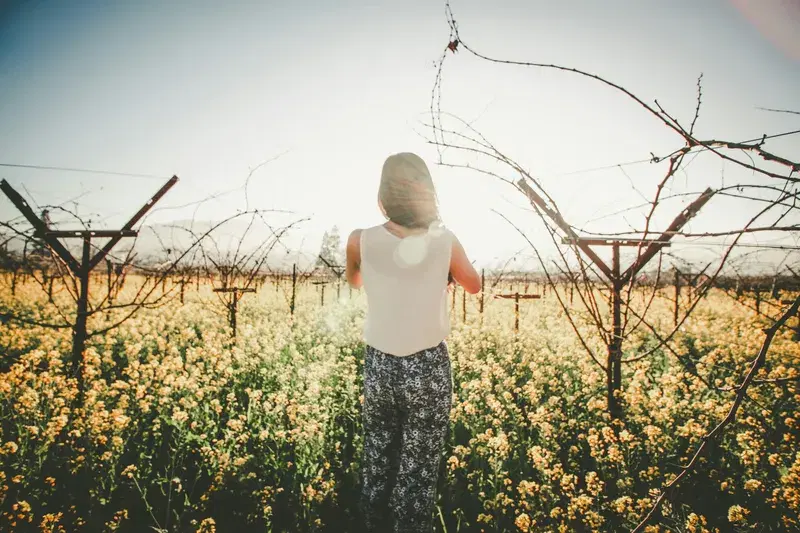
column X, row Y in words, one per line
column 406, row 418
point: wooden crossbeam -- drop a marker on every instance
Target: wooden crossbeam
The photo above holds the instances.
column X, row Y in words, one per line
column 609, row 242
column 40, row 227
column 336, row 269
column 66, row 234
column 134, row 219
column 684, row 217
column 554, row 215
column 235, row 289
column 519, row 296
column 51, row 237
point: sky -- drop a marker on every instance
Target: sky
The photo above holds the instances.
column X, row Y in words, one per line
column 321, row 93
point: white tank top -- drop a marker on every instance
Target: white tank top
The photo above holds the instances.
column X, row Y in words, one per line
column 405, row 280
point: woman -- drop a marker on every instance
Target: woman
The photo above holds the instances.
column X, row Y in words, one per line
column 404, row 267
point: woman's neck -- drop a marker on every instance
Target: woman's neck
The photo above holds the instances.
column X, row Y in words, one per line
column 402, row 231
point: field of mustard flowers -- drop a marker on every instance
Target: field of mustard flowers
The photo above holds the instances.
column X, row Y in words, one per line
column 184, row 429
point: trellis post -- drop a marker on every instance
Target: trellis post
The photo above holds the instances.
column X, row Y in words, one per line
column 517, row 297
column 617, row 279
column 233, row 303
column 81, row 269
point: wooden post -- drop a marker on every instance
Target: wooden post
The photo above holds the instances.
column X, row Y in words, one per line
column 677, row 296
column 463, row 306
column 50, row 289
column 234, row 310
column 294, row 288
column 517, row 297
column 79, row 331
column 24, row 263
column 758, row 299
column 614, row 369
column 109, row 267
column 483, row 280
column 321, row 288
column 233, row 303
column 183, row 283
column 618, row 280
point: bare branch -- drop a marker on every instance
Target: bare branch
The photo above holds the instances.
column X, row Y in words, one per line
column 741, row 392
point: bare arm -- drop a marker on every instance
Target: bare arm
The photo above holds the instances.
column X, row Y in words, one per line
column 462, row 270
column 353, row 264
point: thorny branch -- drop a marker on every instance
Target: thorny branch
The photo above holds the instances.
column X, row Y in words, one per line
column 471, row 143
column 741, row 393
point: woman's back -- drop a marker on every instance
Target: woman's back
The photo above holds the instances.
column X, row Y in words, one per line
column 405, row 279
column 408, row 386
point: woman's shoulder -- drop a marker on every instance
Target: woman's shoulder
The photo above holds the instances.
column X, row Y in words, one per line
column 439, row 229
column 355, row 237
column 353, row 247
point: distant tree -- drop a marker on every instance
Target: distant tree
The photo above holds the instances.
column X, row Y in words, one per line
column 330, row 253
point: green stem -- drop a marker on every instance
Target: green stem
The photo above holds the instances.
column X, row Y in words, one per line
column 144, row 499
column 441, row 518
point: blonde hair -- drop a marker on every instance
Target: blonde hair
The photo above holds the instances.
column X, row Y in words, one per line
column 407, row 192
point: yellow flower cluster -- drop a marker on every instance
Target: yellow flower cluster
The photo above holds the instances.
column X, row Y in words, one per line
column 275, row 415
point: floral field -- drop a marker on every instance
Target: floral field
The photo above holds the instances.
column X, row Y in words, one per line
column 185, row 429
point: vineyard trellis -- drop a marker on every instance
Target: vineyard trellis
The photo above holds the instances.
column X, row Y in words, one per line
column 235, row 294
column 617, row 279
column 517, row 297
column 83, row 268
column 465, row 139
